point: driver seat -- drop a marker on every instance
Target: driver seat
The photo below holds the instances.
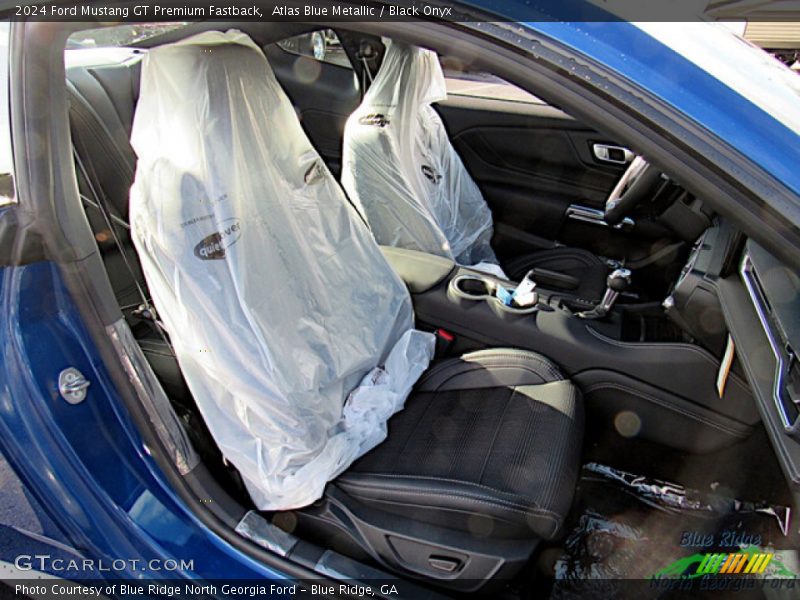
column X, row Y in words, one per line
column 404, row 176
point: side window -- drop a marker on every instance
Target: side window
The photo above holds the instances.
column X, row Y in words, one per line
column 322, row 45
column 463, row 81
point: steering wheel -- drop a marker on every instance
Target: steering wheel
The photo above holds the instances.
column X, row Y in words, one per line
column 636, row 185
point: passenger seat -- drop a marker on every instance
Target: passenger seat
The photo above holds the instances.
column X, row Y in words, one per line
column 479, row 467
column 481, row 460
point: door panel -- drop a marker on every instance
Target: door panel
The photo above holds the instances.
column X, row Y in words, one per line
column 541, row 159
column 531, row 162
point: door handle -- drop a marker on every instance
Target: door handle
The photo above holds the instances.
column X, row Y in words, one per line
column 612, row 154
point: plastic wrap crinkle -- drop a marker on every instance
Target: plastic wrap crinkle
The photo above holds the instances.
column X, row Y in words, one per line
column 295, row 336
column 401, row 170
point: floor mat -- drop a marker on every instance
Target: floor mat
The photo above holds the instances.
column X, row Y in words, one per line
column 637, row 537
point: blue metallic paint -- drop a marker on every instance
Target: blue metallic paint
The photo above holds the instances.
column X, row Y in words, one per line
column 86, row 463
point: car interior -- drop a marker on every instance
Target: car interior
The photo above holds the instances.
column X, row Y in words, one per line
column 523, row 430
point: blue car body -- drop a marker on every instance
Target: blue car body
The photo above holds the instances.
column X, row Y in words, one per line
column 93, row 490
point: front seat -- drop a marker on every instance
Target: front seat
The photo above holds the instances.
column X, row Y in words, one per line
column 403, row 173
column 296, row 339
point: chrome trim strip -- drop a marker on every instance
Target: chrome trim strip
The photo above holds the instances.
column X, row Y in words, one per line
column 756, row 296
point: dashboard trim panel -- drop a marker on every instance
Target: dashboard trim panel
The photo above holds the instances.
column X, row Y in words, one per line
column 747, row 272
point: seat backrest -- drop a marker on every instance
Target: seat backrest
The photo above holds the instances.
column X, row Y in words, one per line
column 401, row 170
column 102, row 101
column 101, row 105
column 292, row 331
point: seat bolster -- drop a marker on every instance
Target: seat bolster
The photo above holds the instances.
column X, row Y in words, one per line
column 497, row 367
column 453, row 501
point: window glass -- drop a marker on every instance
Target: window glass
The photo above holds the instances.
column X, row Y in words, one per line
column 120, row 35
column 323, row 45
column 7, row 193
column 463, row 81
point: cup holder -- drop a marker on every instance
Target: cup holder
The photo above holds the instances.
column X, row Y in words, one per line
column 468, row 290
column 471, row 287
column 510, row 313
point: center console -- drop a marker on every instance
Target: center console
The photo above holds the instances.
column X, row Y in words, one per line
column 693, row 303
column 629, row 384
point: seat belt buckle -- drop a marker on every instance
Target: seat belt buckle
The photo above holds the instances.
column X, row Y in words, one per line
column 444, row 341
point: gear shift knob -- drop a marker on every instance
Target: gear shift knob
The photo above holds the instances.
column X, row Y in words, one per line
column 616, row 283
column 619, row 280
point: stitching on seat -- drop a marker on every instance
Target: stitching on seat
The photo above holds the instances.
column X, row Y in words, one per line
column 100, row 134
column 472, row 368
column 555, row 519
column 499, row 352
column 514, row 506
column 445, row 479
column 93, row 74
column 684, row 411
column 514, row 353
column 469, row 366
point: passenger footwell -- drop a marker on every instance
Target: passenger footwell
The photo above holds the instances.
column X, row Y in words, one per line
column 655, row 534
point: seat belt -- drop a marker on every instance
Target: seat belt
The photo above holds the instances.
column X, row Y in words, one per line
column 145, row 311
column 366, row 54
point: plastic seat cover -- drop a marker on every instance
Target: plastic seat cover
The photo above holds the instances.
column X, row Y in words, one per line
column 294, row 334
column 401, row 170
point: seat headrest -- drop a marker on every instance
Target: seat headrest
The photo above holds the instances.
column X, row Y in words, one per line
column 409, row 76
column 400, row 169
column 201, row 82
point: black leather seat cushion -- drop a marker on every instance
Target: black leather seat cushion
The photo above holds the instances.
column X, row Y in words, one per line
column 588, row 269
column 488, row 443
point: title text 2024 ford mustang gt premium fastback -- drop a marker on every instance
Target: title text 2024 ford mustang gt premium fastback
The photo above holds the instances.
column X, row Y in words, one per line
column 419, row 302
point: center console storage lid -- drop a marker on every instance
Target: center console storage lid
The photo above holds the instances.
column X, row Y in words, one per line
column 420, row 271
